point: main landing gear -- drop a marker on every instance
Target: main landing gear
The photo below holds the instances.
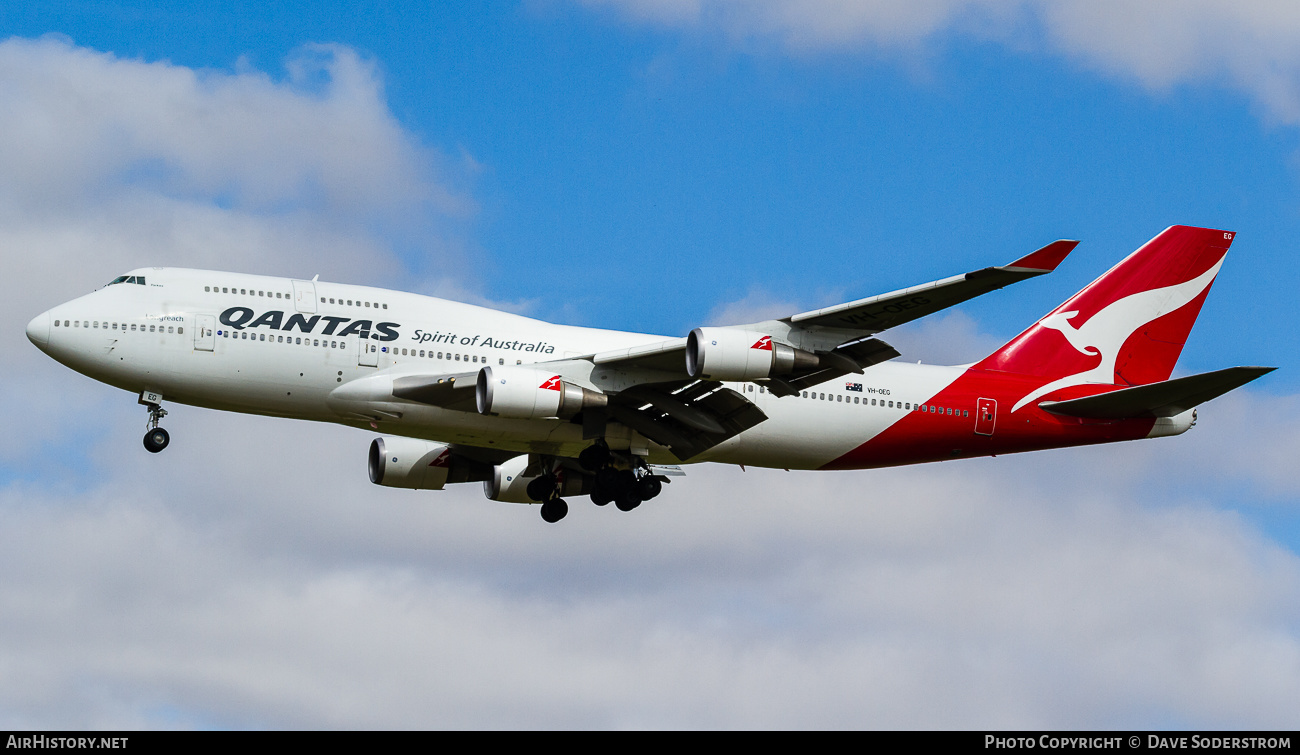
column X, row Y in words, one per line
column 625, row 488
column 156, row 438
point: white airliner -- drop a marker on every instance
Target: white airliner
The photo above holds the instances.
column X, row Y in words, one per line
column 539, row 412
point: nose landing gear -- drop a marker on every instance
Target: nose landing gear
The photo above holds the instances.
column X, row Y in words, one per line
column 155, row 438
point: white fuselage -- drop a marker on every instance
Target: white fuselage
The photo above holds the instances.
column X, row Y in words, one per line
column 283, row 347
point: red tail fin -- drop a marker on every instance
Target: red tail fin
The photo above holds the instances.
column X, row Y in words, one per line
column 1128, row 326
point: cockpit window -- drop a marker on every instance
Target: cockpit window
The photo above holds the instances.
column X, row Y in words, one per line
column 118, row 279
column 128, row 279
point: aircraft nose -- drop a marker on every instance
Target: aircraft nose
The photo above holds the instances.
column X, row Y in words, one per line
column 38, row 330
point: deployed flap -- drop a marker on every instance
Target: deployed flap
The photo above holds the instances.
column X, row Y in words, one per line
column 447, row 391
column 877, row 313
column 687, row 417
column 1166, row 399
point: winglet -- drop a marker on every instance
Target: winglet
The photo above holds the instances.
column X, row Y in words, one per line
column 1045, row 259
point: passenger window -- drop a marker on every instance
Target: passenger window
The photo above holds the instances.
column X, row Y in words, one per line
column 208, row 289
column 385, row 306
column 349, row 302
column 169, row 329
column 440, row 355
column 297, row 341
column 501, row 361
column 180, row 330
column 838, row 398
column 458, row 357
column 367, row 304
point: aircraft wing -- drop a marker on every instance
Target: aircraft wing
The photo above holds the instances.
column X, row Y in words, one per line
column 877, row 313
column 861, row 318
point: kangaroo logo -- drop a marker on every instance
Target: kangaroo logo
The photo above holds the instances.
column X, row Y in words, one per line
column 763, row 344
column 1105, row 332
column 550, row 384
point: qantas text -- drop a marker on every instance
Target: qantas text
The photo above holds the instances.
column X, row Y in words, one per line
column 242, row 317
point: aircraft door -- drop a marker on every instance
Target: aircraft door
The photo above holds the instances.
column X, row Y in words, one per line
column 368, row 356
column 205, row 337
column 986, row 414
column 304, row 296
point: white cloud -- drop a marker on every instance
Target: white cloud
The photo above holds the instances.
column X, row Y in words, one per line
column 108, row 164
column 1254, row 46
column 756, row 306
column 78, row 121
column 251, row 575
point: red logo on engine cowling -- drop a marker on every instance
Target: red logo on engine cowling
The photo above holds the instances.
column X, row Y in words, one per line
column 763, row 344
column 443, row 460
column 551, row 384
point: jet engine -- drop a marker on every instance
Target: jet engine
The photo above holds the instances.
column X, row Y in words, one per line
column 730, row 354
column 528, row 393
column 420, row 464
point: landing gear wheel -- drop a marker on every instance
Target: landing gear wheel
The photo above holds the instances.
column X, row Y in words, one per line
column 554, row 510
column 648, row 487
column 541, row 488
column 594, row 457
column 628, row 501
column 609, row 479
column 156, row 440
column 601, row 497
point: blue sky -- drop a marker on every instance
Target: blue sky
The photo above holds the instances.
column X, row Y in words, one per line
column 653, row 167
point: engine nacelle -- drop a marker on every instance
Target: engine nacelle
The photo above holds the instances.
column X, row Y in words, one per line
column 420, row 464
column 509, row 483
column 731, row 354
column 528, row 393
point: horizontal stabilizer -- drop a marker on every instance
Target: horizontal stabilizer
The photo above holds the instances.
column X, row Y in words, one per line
column 1166, row 399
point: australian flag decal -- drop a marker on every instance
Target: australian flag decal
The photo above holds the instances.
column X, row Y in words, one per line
column 853, row 387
